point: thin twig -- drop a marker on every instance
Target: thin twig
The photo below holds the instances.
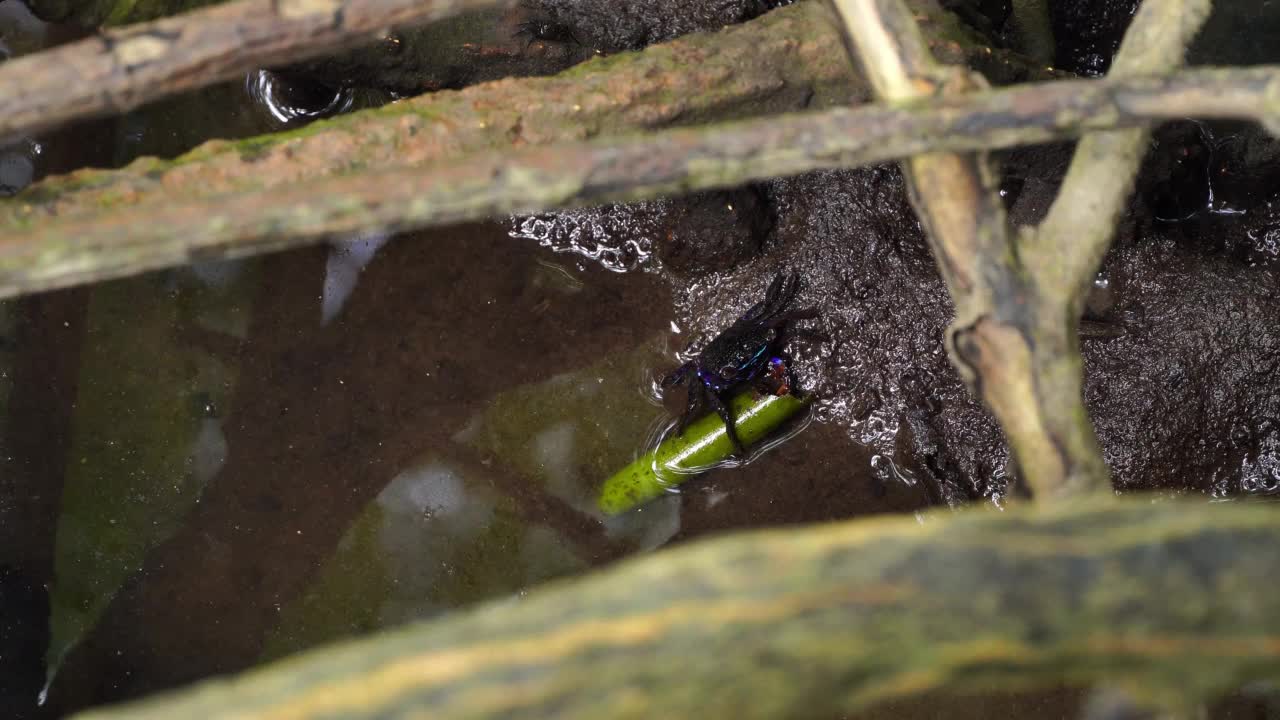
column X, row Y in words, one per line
column 173, row 224
column 1073, row 238
column 121, row 69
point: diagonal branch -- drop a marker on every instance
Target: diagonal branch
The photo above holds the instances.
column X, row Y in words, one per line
column 1014, row 334
column 121, row 69
column 1070, row 243
column 956, row 198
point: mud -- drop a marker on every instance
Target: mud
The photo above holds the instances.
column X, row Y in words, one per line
column 1088, row 33
column 713, row 231
column 616, row 25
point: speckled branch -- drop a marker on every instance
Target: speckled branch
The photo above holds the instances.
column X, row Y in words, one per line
column 118, row 70
column 1014, row 335
column 822, row 621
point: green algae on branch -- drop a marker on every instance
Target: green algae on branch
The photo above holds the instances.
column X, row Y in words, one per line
column 1174, row 600
column 703, row 444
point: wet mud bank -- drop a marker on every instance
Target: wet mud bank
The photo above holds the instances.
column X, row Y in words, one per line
column 1181, row 336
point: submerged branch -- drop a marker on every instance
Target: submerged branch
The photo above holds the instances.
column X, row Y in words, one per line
column 820, row 621
column 118, row 70
column 69, row 240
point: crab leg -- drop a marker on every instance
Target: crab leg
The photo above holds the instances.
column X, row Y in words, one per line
column 730, row 429
column 697, row 400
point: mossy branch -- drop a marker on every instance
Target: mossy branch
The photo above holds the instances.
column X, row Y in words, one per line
column 821, row 621
column 218, row 202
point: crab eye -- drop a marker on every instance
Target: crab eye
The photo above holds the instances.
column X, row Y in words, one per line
column 728, row 372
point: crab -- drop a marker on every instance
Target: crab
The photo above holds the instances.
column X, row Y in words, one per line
column 751, row 350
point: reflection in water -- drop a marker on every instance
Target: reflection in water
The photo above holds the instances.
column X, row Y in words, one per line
column 257, row 482
column 342, row 270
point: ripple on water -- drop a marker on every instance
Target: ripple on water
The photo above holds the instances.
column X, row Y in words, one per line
column 293, row 100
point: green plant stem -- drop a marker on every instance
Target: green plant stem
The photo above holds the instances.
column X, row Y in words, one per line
column 703, row 444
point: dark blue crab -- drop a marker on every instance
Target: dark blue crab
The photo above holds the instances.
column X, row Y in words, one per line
column 749, row 350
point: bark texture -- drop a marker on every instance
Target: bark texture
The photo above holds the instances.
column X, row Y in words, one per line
column 820, row 621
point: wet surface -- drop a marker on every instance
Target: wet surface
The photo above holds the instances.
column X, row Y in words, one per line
column 223, row 464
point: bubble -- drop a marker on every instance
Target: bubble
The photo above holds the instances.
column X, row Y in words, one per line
column 884, row 469
column 620, row 238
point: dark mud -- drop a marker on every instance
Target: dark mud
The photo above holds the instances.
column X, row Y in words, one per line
column 616, row 25
column 1088, row 33
column 537, row 37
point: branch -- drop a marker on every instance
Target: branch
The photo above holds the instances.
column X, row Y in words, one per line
column 1067, row 249
column 821, row 621
column 956, row 198
column 121, row 69
column 1013, row 340
column 69, row 240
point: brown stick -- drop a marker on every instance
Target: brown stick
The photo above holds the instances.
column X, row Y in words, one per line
column 80, row 245
column 1013, row 338
column 121, row 69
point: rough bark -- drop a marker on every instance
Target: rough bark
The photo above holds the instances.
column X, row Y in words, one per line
column 1173, row 597
column 169, row 227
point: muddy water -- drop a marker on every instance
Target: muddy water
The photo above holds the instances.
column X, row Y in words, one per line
column 340, row 439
